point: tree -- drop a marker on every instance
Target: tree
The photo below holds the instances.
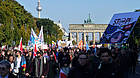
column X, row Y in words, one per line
column 11, row 9
column 51, row 30
column 16, row 22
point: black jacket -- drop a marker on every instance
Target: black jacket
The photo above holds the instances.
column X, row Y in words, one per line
column 108, row 70
column 11, row 76
column 79, row 72
column 65, row 59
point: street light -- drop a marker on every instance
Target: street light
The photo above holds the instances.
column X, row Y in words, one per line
column 12, row 28
column 25, row 32
column 0, row 19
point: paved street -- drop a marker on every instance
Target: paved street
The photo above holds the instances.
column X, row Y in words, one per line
column 137, row 75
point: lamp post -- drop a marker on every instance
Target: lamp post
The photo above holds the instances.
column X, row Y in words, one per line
column 12, row 28
column 25, row 33
column 0, row 19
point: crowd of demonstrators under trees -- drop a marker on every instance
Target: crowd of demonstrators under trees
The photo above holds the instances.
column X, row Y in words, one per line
column 75, row 63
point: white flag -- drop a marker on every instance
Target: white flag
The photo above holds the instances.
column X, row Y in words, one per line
column 41, row 37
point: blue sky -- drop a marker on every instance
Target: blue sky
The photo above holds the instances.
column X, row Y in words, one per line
column 75, row 11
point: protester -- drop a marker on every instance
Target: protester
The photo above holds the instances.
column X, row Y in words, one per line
column 41, row 66
column 94, row 61
column 134, row 57
column 70, row 63
column 52, row 67
column 65, row 62
column 19, row 65
column 75, row 60
column 107, row 67
column 5, row 70
column 11, row 61
column 124, row 63
column 81, row 70
column 29, row 63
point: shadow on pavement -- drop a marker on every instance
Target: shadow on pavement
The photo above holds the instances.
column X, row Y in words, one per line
column 137, row 73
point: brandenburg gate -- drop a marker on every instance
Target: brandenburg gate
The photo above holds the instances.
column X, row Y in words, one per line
column 85, row 29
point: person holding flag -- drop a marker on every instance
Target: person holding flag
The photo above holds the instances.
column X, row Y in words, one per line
column 64, row 61
column 20, row 62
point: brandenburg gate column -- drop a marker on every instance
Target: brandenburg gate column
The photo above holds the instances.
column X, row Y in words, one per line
column 84, row 38
column 70, row 35
column 93, row 34
column 77, row 37
column 100, row 35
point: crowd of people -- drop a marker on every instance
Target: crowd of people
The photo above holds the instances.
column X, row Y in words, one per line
column 75, row 63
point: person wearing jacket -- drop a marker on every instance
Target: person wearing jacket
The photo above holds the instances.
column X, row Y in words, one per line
column 5, row 70
column 82, row 69
column 41, row 66
column 107, row 68
column 19, row 65
column 52, row 67
column 29, row 61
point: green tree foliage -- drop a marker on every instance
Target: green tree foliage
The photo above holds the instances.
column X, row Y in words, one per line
column 51, row 30
column 13, row 19
column 16, row 22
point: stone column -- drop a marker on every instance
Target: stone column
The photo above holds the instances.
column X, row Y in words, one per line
column 70, row 35
column 84, row 38
column 87, row 37
column 100, row 35
column 93, row 33
column 77, row 37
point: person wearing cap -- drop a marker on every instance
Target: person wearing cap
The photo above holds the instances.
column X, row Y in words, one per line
column 5, row 70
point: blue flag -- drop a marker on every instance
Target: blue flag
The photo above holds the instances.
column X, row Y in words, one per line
column 87, row 47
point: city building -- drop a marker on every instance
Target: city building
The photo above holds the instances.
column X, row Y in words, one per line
column 65, row 36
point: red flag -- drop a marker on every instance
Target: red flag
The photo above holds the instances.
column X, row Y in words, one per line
column 20, row 45
column 54, row 56
column 35, row 50
column 62, row 74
